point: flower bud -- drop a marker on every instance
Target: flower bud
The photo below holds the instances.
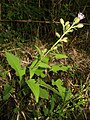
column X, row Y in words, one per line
column 80, row 25
column 66, row 23
column 64, row 39
column 57, row 34
column 62, row 21
column 76, row 20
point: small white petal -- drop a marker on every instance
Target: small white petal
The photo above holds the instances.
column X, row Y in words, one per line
column 81, row 16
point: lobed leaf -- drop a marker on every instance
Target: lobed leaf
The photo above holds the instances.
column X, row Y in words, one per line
column 55, row 68
column 34, row 87
column 43, row 65
column 14, row 62
column 60, row 56
column 43, row 84
column 61, row 89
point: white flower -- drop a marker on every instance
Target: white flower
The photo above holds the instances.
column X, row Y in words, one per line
column 81, row 16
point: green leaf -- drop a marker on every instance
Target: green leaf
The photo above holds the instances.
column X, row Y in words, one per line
column 55, row 68
column 7, row 90
column 45, row 59
column 58, row 67
column 14, row 62
column 39, row 72
column 43, row 65
column 34, row 87
column 61, row 89
column 60, row 56
column 52, row 104
column 32, row 72
column 34, row 63
column 43, row 93
column 40, row 52
column 64, row 68
column 33, row 67
column 16, row 110
column 45, row 110
column 68, row 95
column 43, row 84
column 21, row 73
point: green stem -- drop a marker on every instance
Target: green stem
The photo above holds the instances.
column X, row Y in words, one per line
column 53, row 46
column 59, row 39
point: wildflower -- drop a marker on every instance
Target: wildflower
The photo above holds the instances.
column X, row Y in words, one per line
column 81, row 16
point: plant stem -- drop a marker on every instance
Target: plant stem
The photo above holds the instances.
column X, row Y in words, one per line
column 54, row 46
column 59, row 39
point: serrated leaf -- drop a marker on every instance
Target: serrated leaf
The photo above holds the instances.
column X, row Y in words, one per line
column 61, row 89
column 14, row 62
column 43, row 84
column 34, row 87
column 43, row 93
column 55, row 68
column 43, row 65
column 39, row 72
column 60, row 56
column 64, row 68
column 60, row 82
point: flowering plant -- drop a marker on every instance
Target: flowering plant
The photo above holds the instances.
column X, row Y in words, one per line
column 80, row 17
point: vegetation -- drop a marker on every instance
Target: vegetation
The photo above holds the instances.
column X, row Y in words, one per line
column 44, row 72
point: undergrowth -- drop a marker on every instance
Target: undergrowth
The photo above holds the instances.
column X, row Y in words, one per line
column 43, row 89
